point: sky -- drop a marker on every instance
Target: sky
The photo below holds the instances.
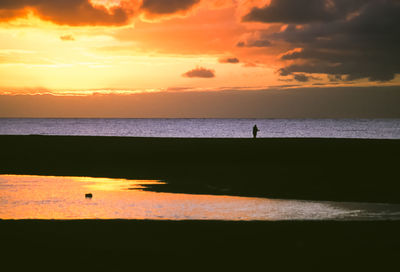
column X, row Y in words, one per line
column 198, row 58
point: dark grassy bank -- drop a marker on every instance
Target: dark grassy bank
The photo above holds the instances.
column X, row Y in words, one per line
column 331, row 169
column 206, row 245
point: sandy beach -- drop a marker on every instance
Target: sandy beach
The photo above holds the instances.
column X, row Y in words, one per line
column 315, row 169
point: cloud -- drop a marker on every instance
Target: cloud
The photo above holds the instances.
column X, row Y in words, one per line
column 302, row 11
column 229, row 60
column 335, row 78
column 92, row 13
column 304, row 78
column 66, row 12
column 301, row 78
column 161, row 7
column 67, row 38
column 200, row 72
column 360, row 43
column 260, row 38
column 254, row 43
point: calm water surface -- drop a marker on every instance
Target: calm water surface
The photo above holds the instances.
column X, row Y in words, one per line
column 49, row 197
column 207, row 128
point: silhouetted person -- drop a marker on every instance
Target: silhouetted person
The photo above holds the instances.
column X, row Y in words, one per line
column 255, row 130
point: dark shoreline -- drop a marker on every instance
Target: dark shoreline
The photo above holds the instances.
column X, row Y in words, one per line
column 212, row 245
column 295, row 168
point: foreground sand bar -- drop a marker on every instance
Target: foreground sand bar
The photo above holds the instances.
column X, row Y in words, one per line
column 205, row 245
column 321, row 169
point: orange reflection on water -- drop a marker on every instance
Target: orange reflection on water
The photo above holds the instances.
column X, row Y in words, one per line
column 49, row 197
column 52, row 197
column 108, row 184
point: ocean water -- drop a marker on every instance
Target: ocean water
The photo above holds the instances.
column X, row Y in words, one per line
column 49, row 197
column 206, row 128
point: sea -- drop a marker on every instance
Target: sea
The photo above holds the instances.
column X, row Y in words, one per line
column 205, row 128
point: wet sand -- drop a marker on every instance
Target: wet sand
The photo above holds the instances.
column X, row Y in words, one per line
column 199, row 245
column 319, row 169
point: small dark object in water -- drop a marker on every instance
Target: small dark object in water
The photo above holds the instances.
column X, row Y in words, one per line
column 88, row 195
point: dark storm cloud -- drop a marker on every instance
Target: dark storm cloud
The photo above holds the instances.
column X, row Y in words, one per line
column 363, row 44
column 200, row 72
column 162, row 7
column 229, row 60
column 303, row 11
column 64, row 12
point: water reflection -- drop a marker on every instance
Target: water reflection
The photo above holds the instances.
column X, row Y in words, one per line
column 108, row 184
column 48, row 197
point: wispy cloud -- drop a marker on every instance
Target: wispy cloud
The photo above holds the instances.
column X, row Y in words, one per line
column 67, row 38
column 200, row 72
column 229, row 60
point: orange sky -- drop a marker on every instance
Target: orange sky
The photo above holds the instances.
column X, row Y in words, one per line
column 142, row 53
column 81, row 47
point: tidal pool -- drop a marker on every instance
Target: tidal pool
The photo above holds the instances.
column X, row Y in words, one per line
column 51, row 197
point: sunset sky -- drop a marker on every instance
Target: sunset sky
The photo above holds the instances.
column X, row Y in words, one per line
column 198, row 58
